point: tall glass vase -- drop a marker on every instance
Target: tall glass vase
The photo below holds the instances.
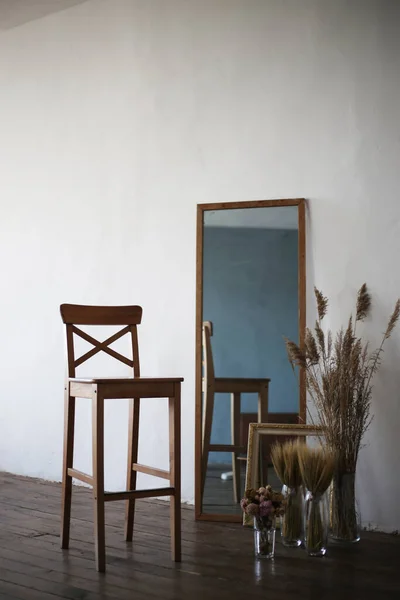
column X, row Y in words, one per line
column 292, row 522
column 264, row 538
column 345, row 523
column 317, row 511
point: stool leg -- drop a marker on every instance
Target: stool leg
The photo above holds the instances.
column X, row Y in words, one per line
column 98, row 480
column 235, row 434
column 175, row 471
column 263, row 418
column 131, row 475
column 69, row 424
column 208, row 411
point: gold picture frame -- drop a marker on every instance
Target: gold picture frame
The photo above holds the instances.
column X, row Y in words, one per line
column 253, row 449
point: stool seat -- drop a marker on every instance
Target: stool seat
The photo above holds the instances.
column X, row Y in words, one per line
column 100, row 389
column 232, row 385
column 124, row 387
column 133, row 380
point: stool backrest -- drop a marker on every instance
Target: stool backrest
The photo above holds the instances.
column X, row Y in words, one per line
column 209, row 374
column 76, row 314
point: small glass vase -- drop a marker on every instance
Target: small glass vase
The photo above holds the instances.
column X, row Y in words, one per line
column 264, row 537
column 317, row 520
column 345, row 522
column 292, row 522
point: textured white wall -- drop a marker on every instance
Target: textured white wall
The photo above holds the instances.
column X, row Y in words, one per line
column 116, row 118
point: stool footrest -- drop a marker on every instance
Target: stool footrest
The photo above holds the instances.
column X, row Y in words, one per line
column 134, row 494
column 151, row 471
column 80, row 476
column 226, row 448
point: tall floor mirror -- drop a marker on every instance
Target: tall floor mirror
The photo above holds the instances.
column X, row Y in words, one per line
column 250, row 296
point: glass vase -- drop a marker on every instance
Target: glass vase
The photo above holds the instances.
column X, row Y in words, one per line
column 292, row 522
column 317, row 521
column 264, row 538
column 345, row 522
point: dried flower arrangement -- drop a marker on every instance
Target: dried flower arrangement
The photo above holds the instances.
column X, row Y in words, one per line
column 285, row 460
column 264, row 505
column 317, row 467
column 339, row 377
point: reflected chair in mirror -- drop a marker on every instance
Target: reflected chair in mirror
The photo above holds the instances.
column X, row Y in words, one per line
column 235, row 387
column 98, row 390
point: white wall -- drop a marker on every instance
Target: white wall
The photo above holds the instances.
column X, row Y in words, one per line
column 17, row 12
column 116, row 118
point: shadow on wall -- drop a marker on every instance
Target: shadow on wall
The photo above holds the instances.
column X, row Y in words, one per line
column 15, row 13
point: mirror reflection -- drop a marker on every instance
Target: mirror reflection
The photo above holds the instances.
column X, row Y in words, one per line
column 250, row 303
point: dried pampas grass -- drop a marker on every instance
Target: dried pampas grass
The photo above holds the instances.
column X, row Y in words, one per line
column 339, row 376
column 339, row 373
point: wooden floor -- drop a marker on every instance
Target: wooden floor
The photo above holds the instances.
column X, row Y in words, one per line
column 217, row 558
column 218, row 494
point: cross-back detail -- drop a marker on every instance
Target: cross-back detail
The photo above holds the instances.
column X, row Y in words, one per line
column 101, row 315
column 102, row 346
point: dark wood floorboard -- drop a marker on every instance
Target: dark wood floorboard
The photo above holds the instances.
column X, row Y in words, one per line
column 217, row 558
column 218, row 493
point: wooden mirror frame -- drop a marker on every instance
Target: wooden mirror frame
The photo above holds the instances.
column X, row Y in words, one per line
column 201, row 208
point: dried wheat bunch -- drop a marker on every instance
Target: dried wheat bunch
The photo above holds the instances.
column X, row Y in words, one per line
column 317, row 467
column 285, row 460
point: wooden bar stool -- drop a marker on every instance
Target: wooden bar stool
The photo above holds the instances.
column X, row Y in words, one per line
column 100, row 389
column 235, row 387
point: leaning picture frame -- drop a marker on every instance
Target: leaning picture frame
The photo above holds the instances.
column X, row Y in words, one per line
column 253, row 449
